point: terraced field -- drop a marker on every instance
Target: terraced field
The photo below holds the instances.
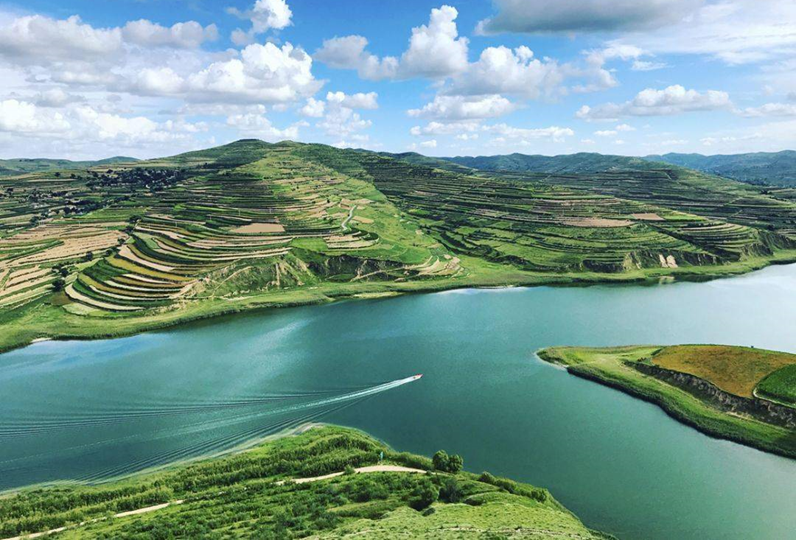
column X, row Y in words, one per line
column 251, row 224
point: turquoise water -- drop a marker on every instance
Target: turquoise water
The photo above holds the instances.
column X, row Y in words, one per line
column 93, row 410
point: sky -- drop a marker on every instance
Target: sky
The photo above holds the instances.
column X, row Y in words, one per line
column 82, row 79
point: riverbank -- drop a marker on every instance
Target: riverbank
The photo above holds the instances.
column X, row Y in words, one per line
column 327, row 482
column 692, row 400
column 54, row 318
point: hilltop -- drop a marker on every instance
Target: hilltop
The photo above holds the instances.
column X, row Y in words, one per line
column 250, row 224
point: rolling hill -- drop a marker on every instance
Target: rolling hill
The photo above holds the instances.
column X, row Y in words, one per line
column 250, row 224
column 765, row 168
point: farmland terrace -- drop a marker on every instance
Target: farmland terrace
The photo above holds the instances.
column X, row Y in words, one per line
column 148, row 243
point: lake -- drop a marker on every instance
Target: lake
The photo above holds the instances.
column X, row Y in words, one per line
column 95, row 410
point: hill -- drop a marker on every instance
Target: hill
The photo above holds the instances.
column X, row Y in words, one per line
column 9, row 167
column 580, row 163
column 251, row 224
column 253, row 494
column 764, row 168
column 737, row 393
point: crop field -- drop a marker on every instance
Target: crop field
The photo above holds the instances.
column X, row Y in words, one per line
column 251, row 494
column 539, row 227
column 736, row 370
column 252, row 223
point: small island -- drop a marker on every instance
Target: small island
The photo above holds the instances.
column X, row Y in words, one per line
column 743, row 394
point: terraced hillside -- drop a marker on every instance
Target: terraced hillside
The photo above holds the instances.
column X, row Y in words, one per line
column 254, row 224
column 294, row 487
column 654, row 183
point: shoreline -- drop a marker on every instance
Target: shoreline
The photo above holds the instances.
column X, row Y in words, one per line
column 679, row 404
column 381, row 290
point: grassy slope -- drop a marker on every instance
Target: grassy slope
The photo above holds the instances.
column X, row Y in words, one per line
column 779, row 386
column 357, row 224
column 610, row 367
column 238, row 495
column 736, row 370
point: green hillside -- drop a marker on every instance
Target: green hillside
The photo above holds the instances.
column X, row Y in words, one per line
column 251, row 224
column 12, row 167
column 252, row 494
column 765, row 168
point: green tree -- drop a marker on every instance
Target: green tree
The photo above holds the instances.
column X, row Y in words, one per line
column 423, row 495
column 450, row 491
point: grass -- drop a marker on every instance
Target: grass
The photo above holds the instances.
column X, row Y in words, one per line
column 119, row 247
column 779, row 386
column 736, row 370
column 247, row 495
column 616, row 367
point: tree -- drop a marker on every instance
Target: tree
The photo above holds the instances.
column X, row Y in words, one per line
column 423, row 495
column 445, row 463
column 450, row 491
column 59, row 284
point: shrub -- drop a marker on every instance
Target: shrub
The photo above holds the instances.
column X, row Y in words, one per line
column 424, row 495
column 450, row 491
column 445, row 463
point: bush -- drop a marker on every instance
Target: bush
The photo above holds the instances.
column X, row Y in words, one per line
column 450, row 491
column 423, row 495
column 445, row 463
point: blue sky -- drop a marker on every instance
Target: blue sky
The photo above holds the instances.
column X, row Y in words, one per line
column 87, row 79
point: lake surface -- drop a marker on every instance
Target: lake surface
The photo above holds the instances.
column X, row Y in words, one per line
column 92, row 410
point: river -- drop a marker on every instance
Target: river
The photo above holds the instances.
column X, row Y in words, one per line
column 93, row 410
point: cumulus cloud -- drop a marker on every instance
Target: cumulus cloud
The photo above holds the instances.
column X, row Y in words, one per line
column 435, row 51
column 552, row 133
column 650, row 102
column 446, row 128
column 187, row 35
column 314, row 108
column 256, row 124
column 43, row 39
column 84, row 123
column 354, row 101
column 449, row 108
column 264, row 15
column 543, row 16
column 262, row 74
column 500, row 70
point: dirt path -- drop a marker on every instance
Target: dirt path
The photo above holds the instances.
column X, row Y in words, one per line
column 359, row 470
column 346, row 220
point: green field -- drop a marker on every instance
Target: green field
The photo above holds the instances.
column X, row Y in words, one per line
column 779, row 386
column 252, row 494
column 115, row 247
column 724, row 370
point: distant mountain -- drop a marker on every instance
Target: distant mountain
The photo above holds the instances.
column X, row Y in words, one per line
column 768, row 168
column 580, row 163
column 11, row 167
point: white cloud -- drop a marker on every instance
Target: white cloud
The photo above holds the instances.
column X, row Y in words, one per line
column 770, row 109
column 187, row 35
column 83, row 123
column 435, row 51
column 55, row 97
column 259, row 126
column 552, row 133
column 355, row 101
column 447, row 128
column 429, row 144
column 349, row 52
column 42, row 40
column 449, row 108
column 733, row 31
column 650, row 102
column 314, row 108
column 500, row 70
column 624, row 127
column 264, row 15
column 263, row 74
column 606, row 133
column 541, row 16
